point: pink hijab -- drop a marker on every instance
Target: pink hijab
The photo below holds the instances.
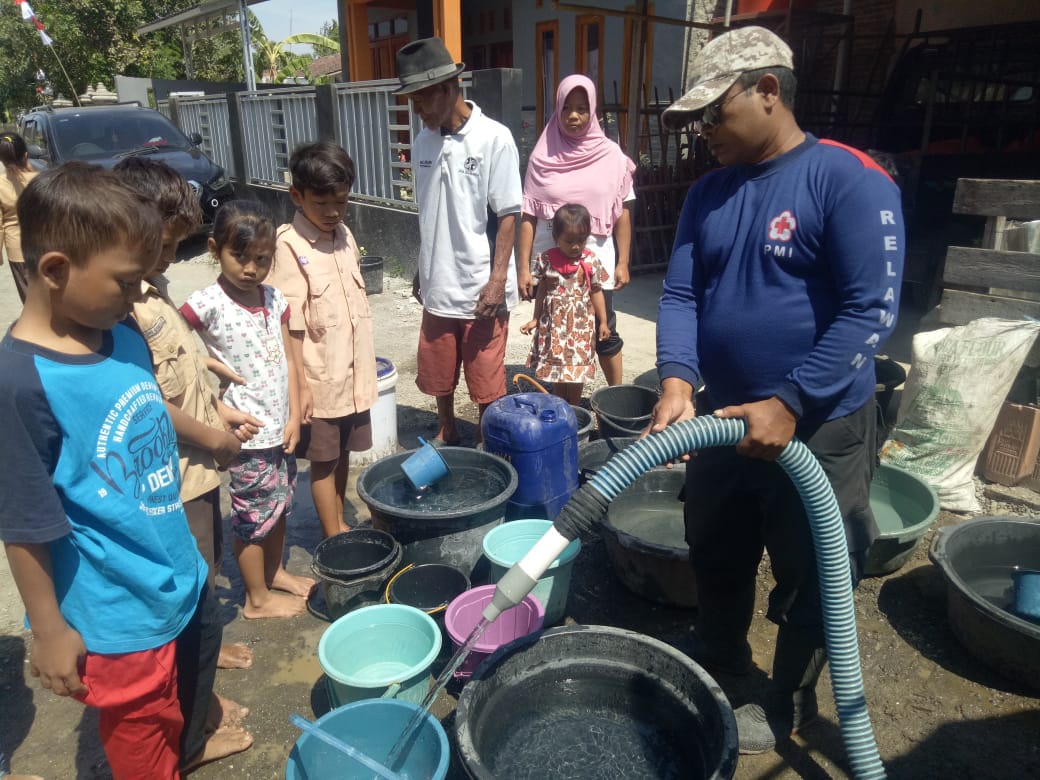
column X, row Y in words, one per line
column 590, row 170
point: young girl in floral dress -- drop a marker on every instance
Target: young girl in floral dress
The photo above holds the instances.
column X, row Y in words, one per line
column 567, row 306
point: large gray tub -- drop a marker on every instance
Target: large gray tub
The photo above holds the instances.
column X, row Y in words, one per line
column 454, row 537
column 977, row 558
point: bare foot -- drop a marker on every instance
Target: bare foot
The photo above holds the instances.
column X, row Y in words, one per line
column 449, row 436
column 292, row 583
column 277, row 605
column 235, row 656
column 224, row 742
column 223, row 712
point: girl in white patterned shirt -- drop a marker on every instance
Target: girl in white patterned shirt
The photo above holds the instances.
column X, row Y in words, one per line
column 244, row 324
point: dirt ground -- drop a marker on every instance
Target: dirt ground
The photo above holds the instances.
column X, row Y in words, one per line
column 936, row 710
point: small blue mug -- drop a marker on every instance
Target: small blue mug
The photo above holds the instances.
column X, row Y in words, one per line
column 425, row 466
column 1025, row 600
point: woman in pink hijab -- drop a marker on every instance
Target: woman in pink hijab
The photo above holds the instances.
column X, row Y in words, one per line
column 574, row 162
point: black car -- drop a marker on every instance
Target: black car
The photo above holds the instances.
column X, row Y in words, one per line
column 104, row 135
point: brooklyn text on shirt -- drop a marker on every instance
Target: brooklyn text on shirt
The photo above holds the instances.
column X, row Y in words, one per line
column 146, row 463
column 890, row 244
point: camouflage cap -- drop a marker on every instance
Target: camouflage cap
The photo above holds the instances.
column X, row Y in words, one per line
column 721, row 62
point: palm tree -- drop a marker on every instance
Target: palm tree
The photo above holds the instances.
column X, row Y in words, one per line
column 276, row 62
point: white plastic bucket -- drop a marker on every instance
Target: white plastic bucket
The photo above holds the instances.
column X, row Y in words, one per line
column 384, row 416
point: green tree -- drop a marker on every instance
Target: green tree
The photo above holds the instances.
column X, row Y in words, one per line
column 19, row 61
column 328, row 30
column 319, row 43
column 95, row 40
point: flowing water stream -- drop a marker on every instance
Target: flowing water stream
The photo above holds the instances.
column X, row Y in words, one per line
column 411, row 729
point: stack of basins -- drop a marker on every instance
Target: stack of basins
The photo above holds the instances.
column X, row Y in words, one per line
column 386, row 632
column 470, row 528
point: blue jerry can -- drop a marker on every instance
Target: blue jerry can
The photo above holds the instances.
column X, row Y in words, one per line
column 538, row 434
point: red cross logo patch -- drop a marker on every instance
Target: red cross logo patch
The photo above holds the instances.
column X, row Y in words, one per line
column 781, row 228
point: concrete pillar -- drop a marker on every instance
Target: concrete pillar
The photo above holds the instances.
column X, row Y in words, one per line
column 499, row 93
column 325, row 112
column 238, row 150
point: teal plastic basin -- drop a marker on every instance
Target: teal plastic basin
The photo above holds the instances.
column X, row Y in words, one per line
column 382, row 651
column 904, row 507
column 371, row 726
column 509, row 542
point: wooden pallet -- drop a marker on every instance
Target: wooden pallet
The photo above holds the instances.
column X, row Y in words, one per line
column 989, row 281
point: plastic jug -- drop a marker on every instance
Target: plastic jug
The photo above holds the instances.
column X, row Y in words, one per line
column 538, row 435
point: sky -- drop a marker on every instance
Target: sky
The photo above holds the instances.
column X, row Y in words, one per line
column 282, row 18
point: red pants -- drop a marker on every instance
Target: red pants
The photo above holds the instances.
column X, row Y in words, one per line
column 141, row 720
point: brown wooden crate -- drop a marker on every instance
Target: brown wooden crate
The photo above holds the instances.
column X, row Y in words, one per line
column 1010, row 455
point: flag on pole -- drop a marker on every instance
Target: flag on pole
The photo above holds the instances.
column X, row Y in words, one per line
column 30, row 16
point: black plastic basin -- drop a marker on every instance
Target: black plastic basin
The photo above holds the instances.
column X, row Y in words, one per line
column 579, row 702
column 454, row 533
column 977, row 559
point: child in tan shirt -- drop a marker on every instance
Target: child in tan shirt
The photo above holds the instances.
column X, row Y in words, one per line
column 317, row 268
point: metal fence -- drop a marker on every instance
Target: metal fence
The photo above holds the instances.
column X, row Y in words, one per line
column 274, row 122
column 208, row 116
column 375, row 126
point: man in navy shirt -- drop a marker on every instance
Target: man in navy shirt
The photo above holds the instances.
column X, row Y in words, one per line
column 783, row 283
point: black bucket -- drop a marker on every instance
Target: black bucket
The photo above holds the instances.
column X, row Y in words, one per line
column 593, row 454
column 534, row 702
column 623, row 410
column 353, row 567
column 429, row 587
column 372, row 273
column 888, row 375
column 585, row 421
column 645, row 537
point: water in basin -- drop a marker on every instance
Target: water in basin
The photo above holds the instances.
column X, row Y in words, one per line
column 463, row 487
column 654, row 517
column 992, row 583
column 591, row 728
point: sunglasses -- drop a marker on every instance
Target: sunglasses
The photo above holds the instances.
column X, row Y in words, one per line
column 711, row 115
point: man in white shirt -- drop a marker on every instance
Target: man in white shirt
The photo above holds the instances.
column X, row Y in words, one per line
column 467, row 174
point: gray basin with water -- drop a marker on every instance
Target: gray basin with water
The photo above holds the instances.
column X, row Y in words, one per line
column 645, row 537
column 977, row 558
column 594, row 701
column 447, row 522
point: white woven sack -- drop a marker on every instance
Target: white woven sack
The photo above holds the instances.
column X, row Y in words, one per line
column 957, row 383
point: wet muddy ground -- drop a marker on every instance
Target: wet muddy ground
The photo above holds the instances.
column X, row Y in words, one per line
column 936, row 710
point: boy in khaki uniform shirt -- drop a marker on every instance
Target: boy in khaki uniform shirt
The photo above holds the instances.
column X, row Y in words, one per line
column 209, row 433
column 317, row 269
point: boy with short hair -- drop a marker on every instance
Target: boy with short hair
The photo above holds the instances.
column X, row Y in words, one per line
column 90, row 515
column 209, row 434
column 317, row 269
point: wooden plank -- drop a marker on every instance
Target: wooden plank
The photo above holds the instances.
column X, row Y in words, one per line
column 993, row 235
column 1012, row 198
column 992, row 268
column 959, row 308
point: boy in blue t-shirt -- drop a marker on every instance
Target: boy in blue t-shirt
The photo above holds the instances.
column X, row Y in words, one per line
column 90, row 515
